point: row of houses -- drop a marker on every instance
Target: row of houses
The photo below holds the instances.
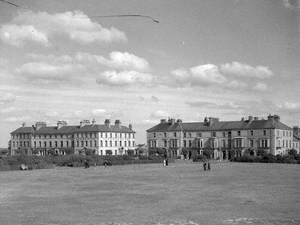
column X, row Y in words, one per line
column 175, row 138
column 224, row 139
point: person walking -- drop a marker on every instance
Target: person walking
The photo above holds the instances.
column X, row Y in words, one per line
column 208, row 165
column 204, row 166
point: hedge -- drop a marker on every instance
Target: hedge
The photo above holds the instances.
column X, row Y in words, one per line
column 74, row 160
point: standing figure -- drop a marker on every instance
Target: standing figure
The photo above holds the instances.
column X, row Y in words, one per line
column 167, row 162
column 208, row 166
column 204, row 166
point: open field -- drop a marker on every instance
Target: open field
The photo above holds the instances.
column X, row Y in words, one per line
column 232, row 193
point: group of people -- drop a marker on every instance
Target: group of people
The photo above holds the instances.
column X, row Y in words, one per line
column 206, row 165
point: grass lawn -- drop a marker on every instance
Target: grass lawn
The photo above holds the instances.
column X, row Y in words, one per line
column 232, row 193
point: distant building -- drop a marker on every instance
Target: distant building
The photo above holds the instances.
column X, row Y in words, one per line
column 224, row 139
column 101, row 139
column 296, row 138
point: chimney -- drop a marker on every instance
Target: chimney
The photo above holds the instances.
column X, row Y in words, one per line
column 250, row 118
column 206, row 121
column 276, row 118
column 93, row 121
column 118, row 123
column 39, row 125
column 243, row 119
column 212, row 120
column 172, row 121
column 84, row 122
column 255, row 118
column 163, row 121
column 23, row 124
column 107, row 122
column 179, row 121
column 296, row 130
column 130, row 126
column 61, row 123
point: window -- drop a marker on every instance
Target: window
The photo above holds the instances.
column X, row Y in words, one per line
column 239, row 133
column 120, row 135
column 184, row 143
column 116, row 135
column 184, row 134
column 120, row 143
column 154, row 135
column 175, row 134
column 190, row 143
column 190, row 135
column 132, row 135
column 105, row 143
column 199, row 134
column 91, row 143
column 61, row 144
column 133, row 143
column 125, row 143
column 265, row 132
column 50, row 144
column 129, row 143
column 77, row 143
column 116, row 152
column 34, row 144
column 165, row 143
column 251, row 132
column 86, row 143
column 95, row 143
column 101, row 152
column 165, row 134
column 45, row 144
column 251, row 143
column 214, row 134
column 111, row 135
column 101, row 143
column 116, row 143
column 67, row 143
column 82, row 143
column 224, row 134
column 101, row 135
column 110, row 143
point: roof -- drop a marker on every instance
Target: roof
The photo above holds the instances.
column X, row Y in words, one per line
column 73, row 129
column 220, row 125
column 296, row 138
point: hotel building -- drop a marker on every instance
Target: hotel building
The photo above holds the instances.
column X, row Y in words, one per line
column 102, row 139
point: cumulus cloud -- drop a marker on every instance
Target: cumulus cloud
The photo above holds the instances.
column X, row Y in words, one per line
column 124, row 78
column 206, row 74
column 245, row 70
column 199, row 75
column 17, row 34
column 6, row 98
column 260, row 87
column 159, row 114
column 42, row 26
column 47, row 71
column 97, row 112
column 229, row 76
column 117, row 60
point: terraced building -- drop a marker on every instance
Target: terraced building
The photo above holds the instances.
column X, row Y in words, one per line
column 225, row 139
column 102, row 139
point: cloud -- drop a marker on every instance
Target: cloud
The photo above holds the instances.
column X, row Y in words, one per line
column 260, row 87
column 154, row 98
column 97, row 112
column 221, row 76
column 47, row 71
column 18, row 34
column 206, row 104
column 8, row 110
column 117, row 60
column 6, row 98
column 124, row 78
column 206, row 74
column 41, row 26
column 17, row 118
column 245, row 70
column 289, row 106
column 159, row 114
column 290, row 4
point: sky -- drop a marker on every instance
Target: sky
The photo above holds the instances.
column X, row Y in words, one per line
column 221, row 58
